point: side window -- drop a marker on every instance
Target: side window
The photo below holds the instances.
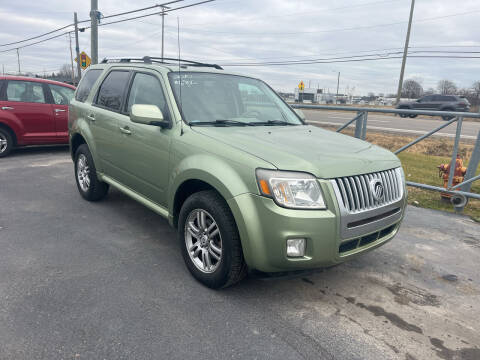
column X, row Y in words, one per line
column 86, row 84
column 25, row 91
column 112, row 90
column 146, row 89
column 61, row 94
column 427, row 98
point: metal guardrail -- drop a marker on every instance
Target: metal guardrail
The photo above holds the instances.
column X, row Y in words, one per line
column 461, row 192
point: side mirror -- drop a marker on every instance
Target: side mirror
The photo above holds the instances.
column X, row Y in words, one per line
column 300, row 114
column 148, row 115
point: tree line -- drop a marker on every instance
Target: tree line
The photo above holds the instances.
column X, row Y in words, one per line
column 412, row 89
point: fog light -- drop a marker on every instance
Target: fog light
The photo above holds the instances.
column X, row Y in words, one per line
column 295, row 247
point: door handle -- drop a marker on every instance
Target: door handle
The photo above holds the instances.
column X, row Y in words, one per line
column 7, row 108
column 126, row 130
column 91, row 117
column 60, row 110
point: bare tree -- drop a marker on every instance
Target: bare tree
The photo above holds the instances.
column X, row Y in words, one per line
column 447, row 87
column 429, row 91
column 65, row 71
column 412, row 89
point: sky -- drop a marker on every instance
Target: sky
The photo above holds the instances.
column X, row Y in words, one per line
column 242, row 31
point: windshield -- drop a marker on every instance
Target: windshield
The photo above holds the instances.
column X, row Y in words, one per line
column 229, row 100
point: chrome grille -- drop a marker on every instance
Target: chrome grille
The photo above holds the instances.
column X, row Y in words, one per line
column 356, row 195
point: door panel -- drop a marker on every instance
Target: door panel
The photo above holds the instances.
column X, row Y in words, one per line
column 26, row 102
column 143, row 159
column 143, row 156
column 61, row 96
column 103, row 117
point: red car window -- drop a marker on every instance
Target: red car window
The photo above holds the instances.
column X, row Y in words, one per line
column 25, row 91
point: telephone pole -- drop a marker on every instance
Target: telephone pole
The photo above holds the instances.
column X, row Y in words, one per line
column 94, row 30
column 18, row 60
column 71, row 57
column 338, row 84
column 163, row 27
column 77, row 47
column 405, row 51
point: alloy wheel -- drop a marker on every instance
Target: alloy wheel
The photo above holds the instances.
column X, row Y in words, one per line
column 83, row 172
column 203, row 240
column 3, row 143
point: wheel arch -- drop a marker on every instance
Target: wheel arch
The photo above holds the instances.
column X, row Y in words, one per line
column 185, row 190
column 76, row 140
column 201, row 172
column 11, row 131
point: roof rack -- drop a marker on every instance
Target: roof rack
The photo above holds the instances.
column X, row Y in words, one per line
column 159, row 60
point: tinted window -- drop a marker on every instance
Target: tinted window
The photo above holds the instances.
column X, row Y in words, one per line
column 112, row 89
column 25, row 91
column 146, row 89
column 427, row 98
column 87, row 83
column 61, row 94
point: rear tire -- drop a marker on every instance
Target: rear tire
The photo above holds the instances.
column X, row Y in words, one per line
column 209, row 240
column 89, row 186
column 6, row 142
column 447, row 117
column 412, row 116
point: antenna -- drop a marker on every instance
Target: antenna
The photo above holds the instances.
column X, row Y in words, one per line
column 180, row 75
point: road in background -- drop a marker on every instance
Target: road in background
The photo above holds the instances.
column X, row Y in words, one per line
column 106, row 280
column 396, row 124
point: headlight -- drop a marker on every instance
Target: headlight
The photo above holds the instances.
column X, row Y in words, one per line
column 291, row 189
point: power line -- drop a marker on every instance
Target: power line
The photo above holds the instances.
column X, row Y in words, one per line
column 328, row 61
column 155, row 13
column 104, row 24
column 256, row 18
column 330, row 30
column 84, row 21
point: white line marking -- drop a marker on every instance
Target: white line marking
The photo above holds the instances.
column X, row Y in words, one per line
column 397, row 130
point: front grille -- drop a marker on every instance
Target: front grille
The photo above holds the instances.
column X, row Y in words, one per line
column 357, row 196
column 353, row 244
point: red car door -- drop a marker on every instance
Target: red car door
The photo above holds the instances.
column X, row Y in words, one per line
column 61, row 96
column 26, row 102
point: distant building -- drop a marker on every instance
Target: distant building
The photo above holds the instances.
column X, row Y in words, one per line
column 308, row 95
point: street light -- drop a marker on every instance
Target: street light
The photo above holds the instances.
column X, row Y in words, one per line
column 338, row 84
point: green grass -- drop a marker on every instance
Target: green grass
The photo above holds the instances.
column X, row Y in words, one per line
column 422, row 168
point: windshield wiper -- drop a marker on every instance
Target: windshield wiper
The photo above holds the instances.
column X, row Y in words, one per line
column 272, row 123
column 221, row 122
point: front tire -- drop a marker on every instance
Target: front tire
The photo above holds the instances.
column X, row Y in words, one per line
column 209, row 240
column 6, row 142
column 89, row 186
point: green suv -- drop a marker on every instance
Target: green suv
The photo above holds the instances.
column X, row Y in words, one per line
column 247, row 183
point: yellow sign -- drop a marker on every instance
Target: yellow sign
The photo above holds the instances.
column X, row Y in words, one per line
column 301, row 86
column 85, row 60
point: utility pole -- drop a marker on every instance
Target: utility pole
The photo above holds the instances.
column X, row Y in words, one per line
column 71, row 57
column 163, row 28
column 94, row 30
column 18, row 60
column 338, row 84
column 77, row 47
column 405, row 51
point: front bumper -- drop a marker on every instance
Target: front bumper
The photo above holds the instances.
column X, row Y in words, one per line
column 264, row 228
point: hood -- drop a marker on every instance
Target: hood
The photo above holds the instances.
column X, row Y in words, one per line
column 325, row 154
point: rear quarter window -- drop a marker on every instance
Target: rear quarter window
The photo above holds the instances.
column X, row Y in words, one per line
column 86, row 84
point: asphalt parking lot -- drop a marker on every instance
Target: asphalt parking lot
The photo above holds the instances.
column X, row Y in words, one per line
column 106, row 280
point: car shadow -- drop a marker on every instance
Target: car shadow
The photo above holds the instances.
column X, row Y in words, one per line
column 37, row 150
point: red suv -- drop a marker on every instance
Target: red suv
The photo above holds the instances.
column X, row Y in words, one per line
column 33, row 112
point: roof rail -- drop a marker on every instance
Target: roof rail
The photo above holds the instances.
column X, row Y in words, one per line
column 159, row 60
